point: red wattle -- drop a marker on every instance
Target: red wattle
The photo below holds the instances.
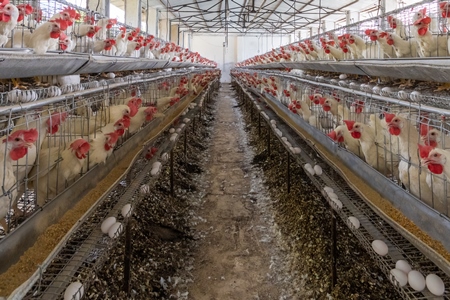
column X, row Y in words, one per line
column 326, row 108
column 436, row 168
column 54, row 35
column 18, row 153
column 422, row 31
column 6, row 18
column 395, row 130
column 341, row 139
column 356, row 134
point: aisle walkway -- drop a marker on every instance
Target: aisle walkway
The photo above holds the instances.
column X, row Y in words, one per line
column 234, row 259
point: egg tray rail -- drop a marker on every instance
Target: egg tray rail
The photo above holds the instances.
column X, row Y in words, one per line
column 84, row 249
column 373, row 226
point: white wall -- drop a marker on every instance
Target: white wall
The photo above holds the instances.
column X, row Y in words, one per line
column 239, row 48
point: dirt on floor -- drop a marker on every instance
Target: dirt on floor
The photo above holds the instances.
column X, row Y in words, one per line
column 234, row 260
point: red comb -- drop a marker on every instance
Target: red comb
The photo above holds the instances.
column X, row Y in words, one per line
column 424, row 151
column 349, row 124
column 389, row 117
column 72, row 13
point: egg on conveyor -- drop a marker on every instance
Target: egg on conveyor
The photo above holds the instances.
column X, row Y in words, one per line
column 165, row 156
column 386, row 91
column 343, row 76
column 318, row 170
column 115, row 230
column 332, row 195
column 273, row 122
column 126, row 210
column 354, row 222
column 171, row 130
column 400, row 277
column 327, row 189
column 380, row 247
column 402, row 95
column 74, row 291
column 111, row 75
column 107, row 223
column 435, row 284
column 297, row 150
column 403, row 265
column 145, row 189
column 415, row 96
column 416, row 280
column 376, row 89
column 336, row 204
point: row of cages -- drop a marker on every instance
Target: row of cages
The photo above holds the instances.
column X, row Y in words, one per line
column 418, row 30
column 405, row 142
column 47, row 148
column 63, row 26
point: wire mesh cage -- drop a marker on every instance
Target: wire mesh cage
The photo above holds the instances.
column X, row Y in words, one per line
column 382, row 131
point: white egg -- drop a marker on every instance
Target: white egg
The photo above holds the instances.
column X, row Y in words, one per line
column 145, row 189
column 74, row 291
column 171, row 130
column 401, row 279
column 154, row 172
column 342, row 83
column 278, row 132
column 165, row 156
column 307, row 166
column 402, row 95
column 273, row 122
column 333, row 195
column 115, row 230
column 310, row 171
column 318, row 170
column 284, row 139
column 353, row 222
column 353, row 85
column 288, row 144
column 362, row 87
column 334, row 81
column 415, row 96
column 343, row 76
column 376, row 89
column 321, row 78
column 403, row 265
column 297, row 150
column 173, row 137
column 292, row 149
column 380, row 247
column 416, row 280
column 435, row 284
column 186, row 120
column 386, row 91
column 111, row 75
column 107, row 223
column 328, row 189
column 54, row 91
column 336, row 204
column 178, row 130
column 156, row 165
column 126, row 210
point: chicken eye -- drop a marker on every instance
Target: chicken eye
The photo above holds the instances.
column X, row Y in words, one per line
column 17, row 139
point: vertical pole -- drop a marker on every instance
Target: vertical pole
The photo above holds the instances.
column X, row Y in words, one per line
column 259, row 125
column 288, row 172
column 171, row 173
column 185, row 143
column 333, row 248
column 127, row 260
column 268, row 141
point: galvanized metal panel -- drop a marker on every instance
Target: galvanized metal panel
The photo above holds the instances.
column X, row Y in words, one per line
column 22, row 64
